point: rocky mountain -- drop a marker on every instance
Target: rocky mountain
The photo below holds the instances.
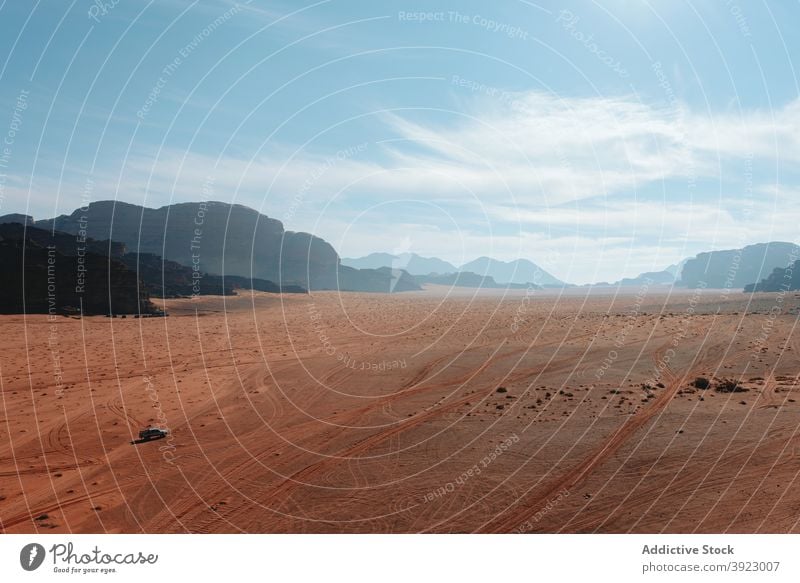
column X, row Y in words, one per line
column 16, row 218
column 676, row 269
column 410, row 262
column 781, row 279
column 211, row 237
column 54, row 273
column 737, row 268
column 223, row 239
column 519, row 271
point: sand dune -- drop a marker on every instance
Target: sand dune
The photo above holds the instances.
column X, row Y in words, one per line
column 421, row 412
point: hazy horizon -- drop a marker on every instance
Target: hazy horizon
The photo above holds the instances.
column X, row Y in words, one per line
column 404, row 249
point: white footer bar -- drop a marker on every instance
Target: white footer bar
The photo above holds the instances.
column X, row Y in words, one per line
column 401, row 558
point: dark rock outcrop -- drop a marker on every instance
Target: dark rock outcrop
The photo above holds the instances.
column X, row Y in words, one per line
column 781, row 279
column 65, row 273
column 55, row 273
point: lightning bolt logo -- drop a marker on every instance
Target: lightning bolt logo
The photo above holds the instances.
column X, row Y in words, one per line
column 31, row 556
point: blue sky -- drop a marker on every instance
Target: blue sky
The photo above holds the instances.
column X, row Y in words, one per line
column 598, row 140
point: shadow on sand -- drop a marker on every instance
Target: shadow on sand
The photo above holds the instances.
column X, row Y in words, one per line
column 146, row 439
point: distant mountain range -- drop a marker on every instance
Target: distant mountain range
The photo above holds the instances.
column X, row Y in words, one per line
column 222, row 239
column 520, row 271
column 754, row 267
column 733, row 269
column 664, row 277
column 469, row 279
column 410, row 262
column 236, row 247
column 737, row 268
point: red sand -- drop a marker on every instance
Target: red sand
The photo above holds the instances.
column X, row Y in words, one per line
column 375, row 413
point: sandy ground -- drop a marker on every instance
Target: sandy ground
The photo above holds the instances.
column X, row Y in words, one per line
column 420, row 412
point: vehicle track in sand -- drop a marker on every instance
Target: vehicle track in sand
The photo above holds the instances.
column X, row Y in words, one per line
column 508, row 520
column 331, row 463
column 284, row 491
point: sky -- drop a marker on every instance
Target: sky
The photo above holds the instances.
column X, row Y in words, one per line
column 599, row 140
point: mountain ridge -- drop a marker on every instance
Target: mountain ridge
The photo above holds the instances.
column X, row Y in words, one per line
column 518, row 271
column 737, row 268
column 411, row 262
column 225, row 239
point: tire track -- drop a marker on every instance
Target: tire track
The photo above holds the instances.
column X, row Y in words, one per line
column 600, row 455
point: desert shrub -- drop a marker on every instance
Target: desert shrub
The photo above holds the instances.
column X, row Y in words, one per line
column 729, row 386
column 701, row 383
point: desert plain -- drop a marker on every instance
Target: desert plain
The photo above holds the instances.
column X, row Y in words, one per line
column 437, row 411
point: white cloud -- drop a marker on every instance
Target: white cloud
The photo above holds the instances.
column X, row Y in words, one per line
column 565, row 149
column 516, row 178
column 538, row 150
